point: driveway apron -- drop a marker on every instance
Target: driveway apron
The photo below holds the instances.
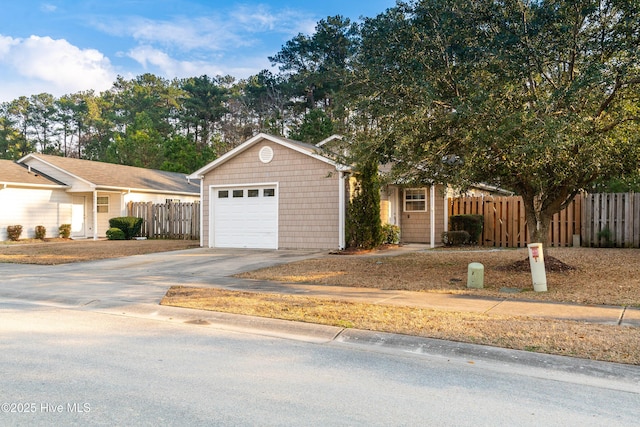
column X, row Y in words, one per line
column 140, row 279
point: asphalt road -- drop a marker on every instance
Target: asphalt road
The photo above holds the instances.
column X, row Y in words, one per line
column 88, row 345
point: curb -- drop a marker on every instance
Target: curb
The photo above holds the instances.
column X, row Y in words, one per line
column 523, row 362
column 540, row 365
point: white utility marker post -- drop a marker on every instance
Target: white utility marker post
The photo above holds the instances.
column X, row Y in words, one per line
column 536, row 261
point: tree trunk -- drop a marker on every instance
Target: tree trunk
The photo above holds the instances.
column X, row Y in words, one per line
column 538, row 222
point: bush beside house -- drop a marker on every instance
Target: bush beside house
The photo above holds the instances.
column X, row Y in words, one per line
column 14, row 232
column 472, row 224
column 129, row 225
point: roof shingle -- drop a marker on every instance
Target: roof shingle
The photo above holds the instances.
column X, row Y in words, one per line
column 12, row 172
column 109, row 175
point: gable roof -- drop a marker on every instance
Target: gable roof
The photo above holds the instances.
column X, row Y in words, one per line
column 301, row 147
column 109, row 176
column 334, row 137
column 14, row 174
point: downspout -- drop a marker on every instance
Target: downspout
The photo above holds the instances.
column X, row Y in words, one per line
column 123, row 203
column 342, row 211
column 432, row 214
column 202, row 210
column 446, row 211
column 95, row 215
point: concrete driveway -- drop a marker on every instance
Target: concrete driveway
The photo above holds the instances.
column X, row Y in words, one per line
column 140, row 279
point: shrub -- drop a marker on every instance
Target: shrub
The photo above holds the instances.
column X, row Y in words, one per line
column 14, row 232
column 391, row 234
column 130, row 225
column 605, row 237
column 472, row 224
column 455, row 238
column 115, row 234
column 40, row 232
column 364, row 228
column 65, row 231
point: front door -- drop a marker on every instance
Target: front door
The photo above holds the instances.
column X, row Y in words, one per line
column 78, row 217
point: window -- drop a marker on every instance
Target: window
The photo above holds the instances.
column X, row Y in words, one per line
column 238, row 193
column 415, row 199
column 223, row 194
column 102, row 204
column 253, row 193
column 269, row 192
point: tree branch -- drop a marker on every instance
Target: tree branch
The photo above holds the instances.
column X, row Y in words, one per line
column 609, row 99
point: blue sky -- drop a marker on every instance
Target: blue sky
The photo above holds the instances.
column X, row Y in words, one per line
column 66, row 46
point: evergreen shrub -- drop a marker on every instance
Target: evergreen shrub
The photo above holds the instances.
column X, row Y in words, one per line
column 115, row 234
column 472, row 224
column 14, row 232
column 455, row 238
column 65, row 231
column 41, row 232
column 130, row 225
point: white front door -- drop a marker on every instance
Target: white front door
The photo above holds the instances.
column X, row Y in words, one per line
column 78, row 217
column 244, row 217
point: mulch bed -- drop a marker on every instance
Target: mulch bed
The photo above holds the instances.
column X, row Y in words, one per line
column 551, row 264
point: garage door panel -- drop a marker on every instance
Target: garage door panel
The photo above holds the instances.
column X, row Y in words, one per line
column 245, row 222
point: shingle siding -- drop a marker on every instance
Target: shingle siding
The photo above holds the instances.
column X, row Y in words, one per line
column 416, row 226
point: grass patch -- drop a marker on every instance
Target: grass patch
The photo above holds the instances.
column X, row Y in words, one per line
column 589, row 341
column 63, row 251
column 600, row 276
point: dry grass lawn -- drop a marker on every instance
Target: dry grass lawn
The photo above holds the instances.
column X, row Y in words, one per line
column 601, row 276
column 576, row 339
column 63, row 251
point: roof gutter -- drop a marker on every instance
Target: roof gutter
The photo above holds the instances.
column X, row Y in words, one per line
column 141, row 190
column 25, row 185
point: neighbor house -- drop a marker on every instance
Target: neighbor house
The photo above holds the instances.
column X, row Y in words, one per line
column 272, row 192
column 50, row 190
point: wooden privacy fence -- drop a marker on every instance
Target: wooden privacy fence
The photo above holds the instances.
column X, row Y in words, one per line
column 505, row 224
column 611, row 220
column 171, row 220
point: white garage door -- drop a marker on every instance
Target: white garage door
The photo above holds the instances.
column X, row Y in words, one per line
column 245, row 217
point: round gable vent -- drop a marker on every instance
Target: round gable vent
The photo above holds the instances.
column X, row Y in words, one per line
column 266, row 154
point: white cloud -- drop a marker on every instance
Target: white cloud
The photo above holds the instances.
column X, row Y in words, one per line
column 262, row 18
column 48, row 8
column 6, row 44
column 243, row 26
column 159, row 62
column 57, row 65
column 203, row 33
column 151, row 58
column 255, row 19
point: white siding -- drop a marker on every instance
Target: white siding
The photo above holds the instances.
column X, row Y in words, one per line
column 33, row 207
column 157, row 198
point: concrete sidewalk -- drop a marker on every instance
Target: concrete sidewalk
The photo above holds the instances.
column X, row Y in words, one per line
column 609, row 315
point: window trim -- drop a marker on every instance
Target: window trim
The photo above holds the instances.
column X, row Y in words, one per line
column 423, row 190
column 102, row 205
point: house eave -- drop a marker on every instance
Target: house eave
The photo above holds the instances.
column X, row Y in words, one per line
column 4, row 185
column 142, row 190
column 254, row 140
column 35, row 156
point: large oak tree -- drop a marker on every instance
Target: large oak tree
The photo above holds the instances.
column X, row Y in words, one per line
column 538, row 97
